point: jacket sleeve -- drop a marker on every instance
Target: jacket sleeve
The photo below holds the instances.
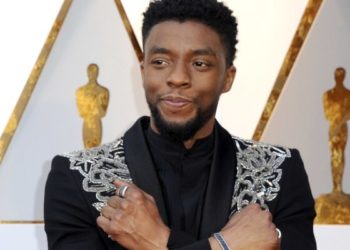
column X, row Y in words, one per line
column 294, row 212
column 69, row 222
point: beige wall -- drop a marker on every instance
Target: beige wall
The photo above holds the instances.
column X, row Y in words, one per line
column 299, row 120
column 51, row 123
column 93, row 32
column 19, row 48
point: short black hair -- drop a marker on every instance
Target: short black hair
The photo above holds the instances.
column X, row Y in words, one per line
column 209, row 12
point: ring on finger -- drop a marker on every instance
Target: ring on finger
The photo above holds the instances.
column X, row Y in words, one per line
column 279, row 233
column 122, row 191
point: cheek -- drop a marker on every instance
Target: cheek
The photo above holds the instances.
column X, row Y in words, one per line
column 209, row 85
column 151, row 89
column 208, row 91
column 152, row 79
column 204, row 99
column 149, row 80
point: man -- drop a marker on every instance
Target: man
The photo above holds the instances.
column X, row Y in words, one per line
column 178, row 180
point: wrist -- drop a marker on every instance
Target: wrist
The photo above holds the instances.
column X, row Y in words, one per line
column 163, row 238
column 214, row 244
column 221, row 242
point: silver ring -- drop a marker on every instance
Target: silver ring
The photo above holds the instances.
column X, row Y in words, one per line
column 122, row 191
column 279, row 233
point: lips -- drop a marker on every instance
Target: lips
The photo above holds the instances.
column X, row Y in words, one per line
column 175, row 101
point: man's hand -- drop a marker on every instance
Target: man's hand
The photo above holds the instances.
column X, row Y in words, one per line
column 134, row 221
column 249, row 229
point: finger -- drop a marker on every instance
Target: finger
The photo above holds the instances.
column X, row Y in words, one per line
column 114, row 201
column 252, row 207
column 131, row 186
column 103, row 223
column 132, row 193
column 268, row 215
column 249, row 212
column 123, row 204
column 150, row 197
column 107, row 211
column 122, row 188
column 118, row 183
column 110, row 227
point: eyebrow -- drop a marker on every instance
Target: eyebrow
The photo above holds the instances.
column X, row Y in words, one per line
column 196, row 52
column 159, row 50
column 204, row 52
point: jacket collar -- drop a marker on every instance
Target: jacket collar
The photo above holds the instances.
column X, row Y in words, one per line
column 219, row 192
column 141, row 167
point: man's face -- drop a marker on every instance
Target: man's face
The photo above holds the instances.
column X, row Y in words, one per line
column 184, row 73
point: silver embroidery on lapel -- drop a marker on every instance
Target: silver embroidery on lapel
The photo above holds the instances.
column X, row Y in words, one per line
column 258, row 173
column 257, row 178
column 100, row 166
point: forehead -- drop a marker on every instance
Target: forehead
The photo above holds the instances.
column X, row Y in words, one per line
column 190, row 35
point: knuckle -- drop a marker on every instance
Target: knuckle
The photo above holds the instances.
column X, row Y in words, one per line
column 124, row 205
column 114, row 229
column 269, row 216
column 256, row 206
column 99, row 220
column 111, row 201
column 152, row 199
column 108, row 202
column 149, row 197
column 103, row 210
column 136, row 195
column 116, row 217
column 252, row 208
column 138, row 202
column 273, row 232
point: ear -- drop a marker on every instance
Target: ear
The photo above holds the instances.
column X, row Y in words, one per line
column 230, row 76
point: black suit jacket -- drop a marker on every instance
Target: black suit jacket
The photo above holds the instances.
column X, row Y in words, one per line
column 80, row 183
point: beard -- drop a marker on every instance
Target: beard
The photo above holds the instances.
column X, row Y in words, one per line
column 182, row 131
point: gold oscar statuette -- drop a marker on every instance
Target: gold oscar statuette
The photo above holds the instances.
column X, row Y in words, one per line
column 92, row 102
column 334, row 208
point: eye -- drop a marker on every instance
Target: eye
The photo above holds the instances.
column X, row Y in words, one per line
column 159, row 63
column 201, row 65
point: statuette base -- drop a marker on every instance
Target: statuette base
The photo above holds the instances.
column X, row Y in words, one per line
column 333, row 208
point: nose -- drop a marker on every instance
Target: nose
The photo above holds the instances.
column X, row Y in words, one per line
column 179, row 76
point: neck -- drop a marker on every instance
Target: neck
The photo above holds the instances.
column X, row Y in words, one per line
column 340, row 86
column 92, row 81
column 203, row 132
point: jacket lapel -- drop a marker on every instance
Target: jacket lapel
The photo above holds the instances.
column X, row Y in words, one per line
column 139, row 161
column 219, row 192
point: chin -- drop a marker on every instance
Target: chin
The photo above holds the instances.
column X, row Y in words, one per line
column 177, row 121
column 177, row 118
column 180, row 125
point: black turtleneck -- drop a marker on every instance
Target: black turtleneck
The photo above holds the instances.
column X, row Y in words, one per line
column 183, row 175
